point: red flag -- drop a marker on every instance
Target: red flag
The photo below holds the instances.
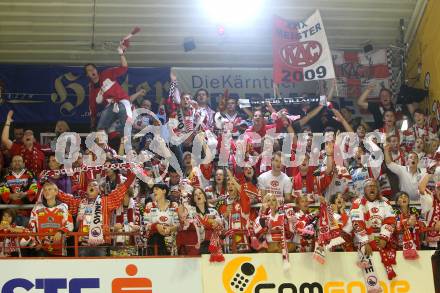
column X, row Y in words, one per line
column 285, row 33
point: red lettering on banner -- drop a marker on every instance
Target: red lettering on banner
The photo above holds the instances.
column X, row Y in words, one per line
column 301, row 54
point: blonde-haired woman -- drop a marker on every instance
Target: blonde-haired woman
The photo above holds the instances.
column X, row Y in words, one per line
column 275, row 223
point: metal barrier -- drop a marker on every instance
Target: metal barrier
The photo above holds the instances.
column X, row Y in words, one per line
column 257, row 205
column 76, row 236
column 77, row 245
column 17, row 206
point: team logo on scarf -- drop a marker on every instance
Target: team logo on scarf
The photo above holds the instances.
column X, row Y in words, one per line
column 372, row 281
column 95, row 232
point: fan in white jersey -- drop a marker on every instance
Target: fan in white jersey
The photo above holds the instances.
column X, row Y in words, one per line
column 275, row 181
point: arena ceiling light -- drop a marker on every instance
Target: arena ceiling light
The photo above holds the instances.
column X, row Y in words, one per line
column 232, row 12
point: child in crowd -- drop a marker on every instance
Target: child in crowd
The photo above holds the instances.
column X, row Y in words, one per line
column 10, row 246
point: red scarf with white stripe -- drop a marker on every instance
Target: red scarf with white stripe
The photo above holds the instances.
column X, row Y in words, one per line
column 431, row 235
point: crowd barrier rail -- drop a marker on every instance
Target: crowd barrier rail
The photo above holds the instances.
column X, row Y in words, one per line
column 264, row 273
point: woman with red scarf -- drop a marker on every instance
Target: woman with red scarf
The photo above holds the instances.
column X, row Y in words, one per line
column 305, row 225
column 409, row 228
column 235, row 211
column 248, row 183
column 200, row 227
column 340, row 215
column 276, row 222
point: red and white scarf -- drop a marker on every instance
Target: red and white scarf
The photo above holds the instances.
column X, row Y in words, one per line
column 8, row 245
column 388, row 132
column 409, row 244
column 201, row 223
column 284, row 248
column 215, row 246
column 329, row 234
column 398, row 158
column 424, row 130
column 431, row 234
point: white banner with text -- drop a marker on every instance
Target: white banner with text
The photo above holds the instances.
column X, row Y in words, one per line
column 148, row 275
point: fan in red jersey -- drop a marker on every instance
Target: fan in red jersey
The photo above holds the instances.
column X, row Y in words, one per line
column 373, row 224
column 161, row 222
column 19, row 186
column 29, row 150
column 50, row 216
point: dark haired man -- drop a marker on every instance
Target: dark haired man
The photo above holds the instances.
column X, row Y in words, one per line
column 227, row 121
column 409, row 175
column 202, row 98
column 378, row 109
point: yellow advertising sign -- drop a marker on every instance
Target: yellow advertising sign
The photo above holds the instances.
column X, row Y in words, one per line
column 263, row 273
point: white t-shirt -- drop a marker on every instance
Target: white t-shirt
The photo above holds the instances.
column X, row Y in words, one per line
column 408, row 182
column 278, row 185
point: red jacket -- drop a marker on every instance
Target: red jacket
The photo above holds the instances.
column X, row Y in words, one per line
column 112, row 74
